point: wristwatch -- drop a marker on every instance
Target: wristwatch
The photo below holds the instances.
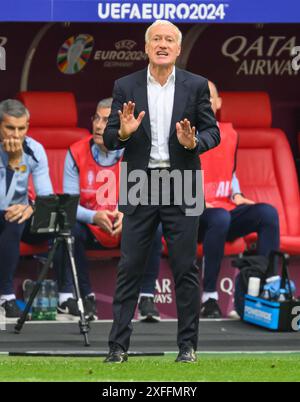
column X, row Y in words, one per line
column 196, row 143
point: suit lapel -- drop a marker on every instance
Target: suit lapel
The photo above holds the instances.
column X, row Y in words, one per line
column 180, row 99
column 141, row 98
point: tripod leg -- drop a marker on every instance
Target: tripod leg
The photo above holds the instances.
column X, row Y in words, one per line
column 36, row 288
column 83, row 324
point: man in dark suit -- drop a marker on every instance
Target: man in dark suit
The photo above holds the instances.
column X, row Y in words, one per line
column 155, row 115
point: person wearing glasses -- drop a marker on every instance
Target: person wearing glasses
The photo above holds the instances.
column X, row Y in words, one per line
column 99, row 223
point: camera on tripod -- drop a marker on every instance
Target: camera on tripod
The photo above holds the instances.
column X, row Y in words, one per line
column 56, row 214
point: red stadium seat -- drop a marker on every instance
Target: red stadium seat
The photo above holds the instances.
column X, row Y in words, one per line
column 246, row 109
column 32, row 249
column 53, row 123
column 265, row 165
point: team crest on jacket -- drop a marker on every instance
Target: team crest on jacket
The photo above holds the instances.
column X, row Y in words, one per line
column 90, row 178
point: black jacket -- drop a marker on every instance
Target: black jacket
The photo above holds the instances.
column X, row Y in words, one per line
column 191, row 101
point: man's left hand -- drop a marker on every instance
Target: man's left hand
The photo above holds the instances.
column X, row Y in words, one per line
column 186, row 134
column 18, row 212
column 239, row 199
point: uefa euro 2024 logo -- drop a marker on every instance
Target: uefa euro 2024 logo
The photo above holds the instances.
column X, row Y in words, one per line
column 2, row 58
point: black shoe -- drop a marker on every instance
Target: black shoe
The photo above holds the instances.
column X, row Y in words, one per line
column 69, row 307
column 11, row 309
column 116, row 355
column 147, row 310
column 90, row 309
column 186, row 355
column 210, row 309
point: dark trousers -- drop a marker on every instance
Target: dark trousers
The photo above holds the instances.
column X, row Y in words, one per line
column 10, row 237
column 218, row 226
column 153, row 264
column 180, row 232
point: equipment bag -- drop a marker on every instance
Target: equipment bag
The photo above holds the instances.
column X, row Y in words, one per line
column 278, row 310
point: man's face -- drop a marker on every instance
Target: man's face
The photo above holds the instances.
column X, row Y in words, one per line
column 163, row 47
column 13, row 127
column 99, row 123
column 215, row 100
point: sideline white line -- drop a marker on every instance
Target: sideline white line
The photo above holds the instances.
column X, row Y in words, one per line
column 237, row 352
column 75, row 321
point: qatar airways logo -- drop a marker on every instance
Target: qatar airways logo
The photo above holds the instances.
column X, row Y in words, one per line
column 163, row 289
column 264, row 56
column 218, row 189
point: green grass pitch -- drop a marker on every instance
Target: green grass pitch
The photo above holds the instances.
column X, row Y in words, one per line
column 210, row 367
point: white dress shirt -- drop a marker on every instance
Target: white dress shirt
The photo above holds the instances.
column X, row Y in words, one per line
column 160, row 104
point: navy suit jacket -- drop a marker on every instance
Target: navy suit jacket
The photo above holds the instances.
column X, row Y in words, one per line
column 191, row 101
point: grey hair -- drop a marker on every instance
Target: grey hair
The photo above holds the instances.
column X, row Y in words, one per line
column 163, row 22
column 105, row 103
column 13, row 107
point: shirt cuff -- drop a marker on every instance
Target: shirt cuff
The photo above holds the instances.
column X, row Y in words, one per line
column 86, row 216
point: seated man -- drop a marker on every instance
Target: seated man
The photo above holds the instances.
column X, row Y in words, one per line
column 20, row 156
column 98, row 225
column 229, row 214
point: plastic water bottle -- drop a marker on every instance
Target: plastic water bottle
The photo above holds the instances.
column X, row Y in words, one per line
column 273, row 286
column 41, row 305
column 265, row 294
column 281, row 296
column 53, row 299
column 273, row 279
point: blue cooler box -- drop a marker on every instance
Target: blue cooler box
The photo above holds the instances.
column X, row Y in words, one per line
column 276, row 316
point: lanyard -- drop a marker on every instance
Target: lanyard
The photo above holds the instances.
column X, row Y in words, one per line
column 8, row 182
column 7, row 194
column 10, row 192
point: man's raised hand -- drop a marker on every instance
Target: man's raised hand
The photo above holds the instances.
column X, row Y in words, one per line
column 128, row 123
column 186, row 134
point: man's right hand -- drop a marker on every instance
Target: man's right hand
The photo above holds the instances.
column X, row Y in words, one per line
column 104, row 220
column 14, row 148
column 128, row 123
